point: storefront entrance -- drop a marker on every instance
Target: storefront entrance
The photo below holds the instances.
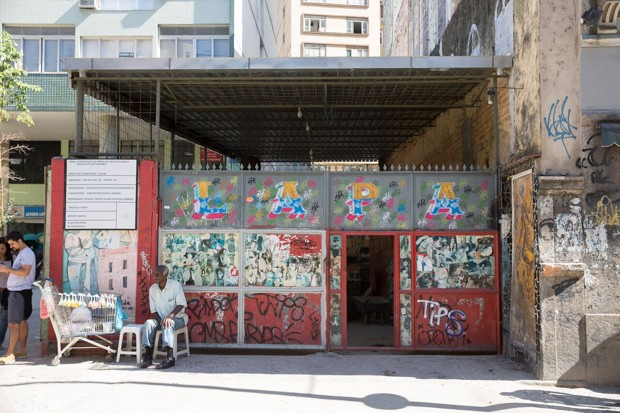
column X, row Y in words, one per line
column 370, row 290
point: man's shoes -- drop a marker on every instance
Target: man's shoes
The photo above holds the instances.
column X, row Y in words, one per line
column 10, row 359
column 21, row 355
column 166, row 364
column 146, row 361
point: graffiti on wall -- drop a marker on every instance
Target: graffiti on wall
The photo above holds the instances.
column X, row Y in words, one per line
column 102, row 261
column 359, row 203
column 452, row 321
column 284, row 201
column 455, row 201
column 557, row 123
column 191, row 200
column 283, row 260
column 568, row 242
column 523, row 288
column 405, row 320
column 504, row 28
column 272, row 318
column 455, row 261
column 212, row 317
column 335, row 255
column 405, row 262
column 202, row 259
column 335, row 319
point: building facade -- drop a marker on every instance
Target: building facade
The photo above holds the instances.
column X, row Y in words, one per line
column 48, row 32
column 332, row 28
column 556, row 146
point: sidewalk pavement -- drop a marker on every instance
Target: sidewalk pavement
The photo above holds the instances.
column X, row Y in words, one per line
column 319, row 382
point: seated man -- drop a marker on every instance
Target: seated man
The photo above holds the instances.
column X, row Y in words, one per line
column 167, row 303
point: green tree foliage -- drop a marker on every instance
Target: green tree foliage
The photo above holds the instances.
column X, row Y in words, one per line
column 13, row 89
column 13, row 105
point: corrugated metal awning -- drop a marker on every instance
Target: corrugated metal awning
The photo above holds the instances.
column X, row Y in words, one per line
column 351, row 109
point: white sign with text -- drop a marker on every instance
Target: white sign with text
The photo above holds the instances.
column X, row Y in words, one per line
column 101, row 194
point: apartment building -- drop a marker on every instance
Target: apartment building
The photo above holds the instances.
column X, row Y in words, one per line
column 48, row 32
column 329, row 28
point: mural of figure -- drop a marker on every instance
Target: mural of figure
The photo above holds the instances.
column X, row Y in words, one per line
column 81, row 275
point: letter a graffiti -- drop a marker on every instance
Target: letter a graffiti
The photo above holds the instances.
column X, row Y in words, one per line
column 287, row 201
column 444, row 202
column 201, row 203
column 361, row 194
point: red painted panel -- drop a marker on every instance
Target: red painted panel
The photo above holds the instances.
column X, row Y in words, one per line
column 147, row 235
column 57, row 221
column 212, row 317
column 293, row 318
column 466, row 321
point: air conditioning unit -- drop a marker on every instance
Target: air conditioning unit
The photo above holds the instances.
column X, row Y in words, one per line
column 89, row 4
column 610, row 19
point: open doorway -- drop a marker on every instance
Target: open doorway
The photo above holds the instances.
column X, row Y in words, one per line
column 370, row 291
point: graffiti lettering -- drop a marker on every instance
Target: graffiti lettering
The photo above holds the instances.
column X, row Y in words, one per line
column 438, row 337
column 287, row 201
column 361, row 194
column 444, row 202
column 213, row 332
column 435, row 312
column 606, row 212
column 212, row 318
column 282, row 319
column 558, row 124
column 202, row 209
column 588, row 158
column 143, row 283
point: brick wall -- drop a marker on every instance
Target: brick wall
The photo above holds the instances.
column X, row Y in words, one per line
column 442, row 143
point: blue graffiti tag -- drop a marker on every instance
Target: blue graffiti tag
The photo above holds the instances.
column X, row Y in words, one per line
column 558, row 125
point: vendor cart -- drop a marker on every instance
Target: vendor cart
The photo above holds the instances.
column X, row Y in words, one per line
column 76, row 316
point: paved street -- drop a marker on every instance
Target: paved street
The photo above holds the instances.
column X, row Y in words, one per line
column 321, row 382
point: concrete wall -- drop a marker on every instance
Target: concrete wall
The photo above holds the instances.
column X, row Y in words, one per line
column 256, row 24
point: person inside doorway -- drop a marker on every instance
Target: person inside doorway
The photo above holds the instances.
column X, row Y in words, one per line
column 19, row 284
column 167, row 303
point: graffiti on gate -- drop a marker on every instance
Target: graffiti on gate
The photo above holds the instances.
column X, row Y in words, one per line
column 557, row 123
column 455, row 261
column 455, row 321
column 335, row 319
column 272, row 318
column 283, row 260
column 335, row 259
column 454, row 202
column 405, row 262
column 291, row 201
column 358, row 203
column 202, row 259
column 444, row 201
column 194, row 201
column 212, row 317
column 405, row 320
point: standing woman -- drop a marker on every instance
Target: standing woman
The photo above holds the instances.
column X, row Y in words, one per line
column 6, row 259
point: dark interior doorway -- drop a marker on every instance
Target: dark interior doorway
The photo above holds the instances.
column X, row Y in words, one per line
column 370, row 291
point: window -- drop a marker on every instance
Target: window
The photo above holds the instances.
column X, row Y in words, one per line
column 29, row 168
column 357, row 51
column 126, row 4
column 314, row 50
column 124, row 264
column 357, row 26
column 110, row 266
column 357, row 2
column 314, row 23
column 43, row 49
column 125, row 283
column 117, row 47
column 190, row 42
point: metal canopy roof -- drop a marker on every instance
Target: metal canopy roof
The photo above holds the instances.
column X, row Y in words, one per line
column 356, row 109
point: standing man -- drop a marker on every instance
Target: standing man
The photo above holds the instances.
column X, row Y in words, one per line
column 167, row 303
column 19, row 284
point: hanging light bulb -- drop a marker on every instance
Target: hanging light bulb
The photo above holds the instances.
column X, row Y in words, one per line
column 299, row 114
column 307, row 127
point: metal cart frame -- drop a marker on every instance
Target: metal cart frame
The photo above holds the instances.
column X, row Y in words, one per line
column 72, row 327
